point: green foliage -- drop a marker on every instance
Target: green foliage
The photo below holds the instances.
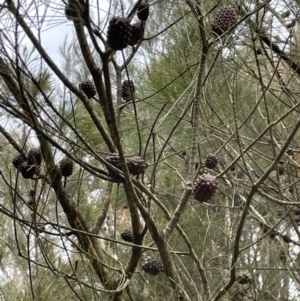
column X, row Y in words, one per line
column 196, row 94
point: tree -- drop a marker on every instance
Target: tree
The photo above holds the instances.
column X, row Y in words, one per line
column 159, row 160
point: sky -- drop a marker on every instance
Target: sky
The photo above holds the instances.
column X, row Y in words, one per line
column 56, row 27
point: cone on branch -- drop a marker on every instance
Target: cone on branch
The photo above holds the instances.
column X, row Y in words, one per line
column 66, row 168
column 286, row 14
column 152, row 266
column 18, row 160
column 127, row 235
column 27, row 171
column 119, row 33
column 243, row 279
column 286, row 239
column 204, row 187
column 143, row 11
column 35, row 157
column 280, row 170
column 71, row 11
column 291, row 24
column 296, row 210
column 136, row 165
column 88, row 88
column 224, row 19
column 211, row 161
column 137, row 33
column 28, row 166
column 128, row 90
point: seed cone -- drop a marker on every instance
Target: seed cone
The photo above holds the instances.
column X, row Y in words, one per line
column 128, row 90
column 143, row 11
column 225, row 18
column 280, row 170
column 113, row 160
column 137, row 33
column 152, row 266
column 88, row 88
column 26, row 170
column 286, row 239
column 127, row 235
column 243, row 279
column 211, row 161
column 136, row 165
column 35, row 157
column 18, row 160
column 66, row 168
column 296, row 210
column 70, row 11
column 119, row 33
column 204, row 187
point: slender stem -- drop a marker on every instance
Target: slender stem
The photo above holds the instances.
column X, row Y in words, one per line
column 191, row 173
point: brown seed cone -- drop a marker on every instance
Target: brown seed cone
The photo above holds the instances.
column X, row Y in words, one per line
column 88, row 88
column 128, row 90
column 26, row 170
column 137, row 33
column 119, row 33
column 66, row 168
column 225, row 18
column 18, row 160
column 32, row 192
column 152, row 266
column 296, row 210
column 204, row 187
column 211, row 161
column 35, row 156
column 127, row 235
column 136, row 165
column 286, row 239
column 143, row 11
column 70, row 11
column 113, row 160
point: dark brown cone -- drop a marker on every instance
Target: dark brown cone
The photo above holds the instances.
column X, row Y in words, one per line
column 152, row 266
column 143, row 11
column 67, row 168
column 35, row 157
column 32, row 192
column 225, row 18
column 88, row 88
column 137, row 33
column 127, row 235
column 119, row 33
column 258, row 51
column 204, row 187
column 128, row 90
column 280, row 170
column 296, row 210
column 272, row 234
column 243, row 279
column 291, row 24
column 115, row 161
column 286, row 239
column 136, row 165
column 31, row 203
column 18, row 160
column 211, row 161
column 70, row 11
column 26, row 170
